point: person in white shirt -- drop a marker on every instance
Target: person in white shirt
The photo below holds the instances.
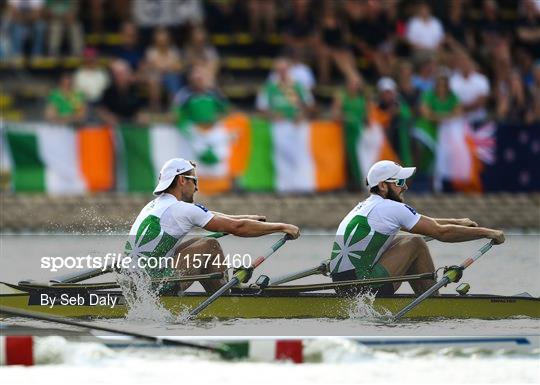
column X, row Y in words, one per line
column 163, row 223
column 90, row 78
column 472, row 89
column 366, row 245
column 424, row 31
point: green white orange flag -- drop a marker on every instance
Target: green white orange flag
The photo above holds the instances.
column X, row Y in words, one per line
column 295, row 157
column 58, row 159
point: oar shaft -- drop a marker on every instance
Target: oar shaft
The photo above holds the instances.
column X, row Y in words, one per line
column 449, row 276
column 443, row 282
column 238, row 277
column 203, row 305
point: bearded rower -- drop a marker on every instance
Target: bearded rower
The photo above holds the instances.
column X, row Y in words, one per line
column 162, row 224
column 365, row 244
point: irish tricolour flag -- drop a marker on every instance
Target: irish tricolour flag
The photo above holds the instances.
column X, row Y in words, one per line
column 57, row 159
column 288, row 156
column 141, row 152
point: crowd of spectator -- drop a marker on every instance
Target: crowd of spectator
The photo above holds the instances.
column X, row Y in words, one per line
column 402, row 63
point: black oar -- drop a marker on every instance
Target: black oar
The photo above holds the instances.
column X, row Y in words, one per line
column 452, row 275
column 83, row 275
column 223, row 351
column 239, row 276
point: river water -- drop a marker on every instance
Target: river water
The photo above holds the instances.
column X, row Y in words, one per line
column 508, row 269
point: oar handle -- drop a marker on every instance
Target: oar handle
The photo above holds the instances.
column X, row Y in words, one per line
column 466, row 263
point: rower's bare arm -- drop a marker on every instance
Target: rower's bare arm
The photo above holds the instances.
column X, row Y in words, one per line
column 249, row 227
column 455, row 233
column 456, row 221
column 261, row 218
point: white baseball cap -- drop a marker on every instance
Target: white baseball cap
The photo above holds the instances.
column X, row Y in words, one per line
column 386, row 169
column 386, row 84
column 170, row 169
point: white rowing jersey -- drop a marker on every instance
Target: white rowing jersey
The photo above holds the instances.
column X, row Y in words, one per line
column 162, row 224
column 366, row 232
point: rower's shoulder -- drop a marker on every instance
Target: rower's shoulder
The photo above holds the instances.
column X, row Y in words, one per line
column 389, row 204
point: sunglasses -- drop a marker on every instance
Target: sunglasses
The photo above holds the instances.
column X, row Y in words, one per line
column 398, row 182
column 195, row 179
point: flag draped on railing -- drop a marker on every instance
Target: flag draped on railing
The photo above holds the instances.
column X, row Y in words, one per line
column 257, row 154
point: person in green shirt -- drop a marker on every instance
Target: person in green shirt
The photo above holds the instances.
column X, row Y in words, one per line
column 350, row 109
column 440, row 103
column 436, row 105
column 199, row 103
column 284, row 98
column 65, row 105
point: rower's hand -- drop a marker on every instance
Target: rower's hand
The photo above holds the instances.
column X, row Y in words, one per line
column 497, row 236
column 292, row 230
column 467, row 222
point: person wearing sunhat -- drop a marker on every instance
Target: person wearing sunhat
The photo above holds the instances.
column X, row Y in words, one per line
column 163, row 223
column 366, row 245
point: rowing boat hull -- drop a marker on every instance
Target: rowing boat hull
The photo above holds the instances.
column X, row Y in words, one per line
column 309, row 305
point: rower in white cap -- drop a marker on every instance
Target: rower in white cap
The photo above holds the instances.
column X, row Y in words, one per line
column 365, row 245
column 163, row 223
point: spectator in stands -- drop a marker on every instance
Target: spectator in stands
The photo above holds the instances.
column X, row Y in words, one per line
column 512, row 104
column 65, row 105
column 491, row 28
column 224, row 16
column 371, row 33
column 90, row 78
column 406, row 89
column 437, row 105
column 163, row 65
column 525, row 63
column 262, row 17
column 331, row 45
column 129, row 50
column 63, row 15
column 199, row 102
column 283, row 98
column 472, row 89
column 350, row 109
column 26, row 20
column 175, row 16
column 424, row 79
column 533, row 116
column 121, row 102
column 287, row 105
column 440, row 103
column 392, row 113
column 299, row 26
column 299, row 72
column 528, row 27
column 424, row 31
column 457, row 29
column 101, row 18
column 199, row 53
